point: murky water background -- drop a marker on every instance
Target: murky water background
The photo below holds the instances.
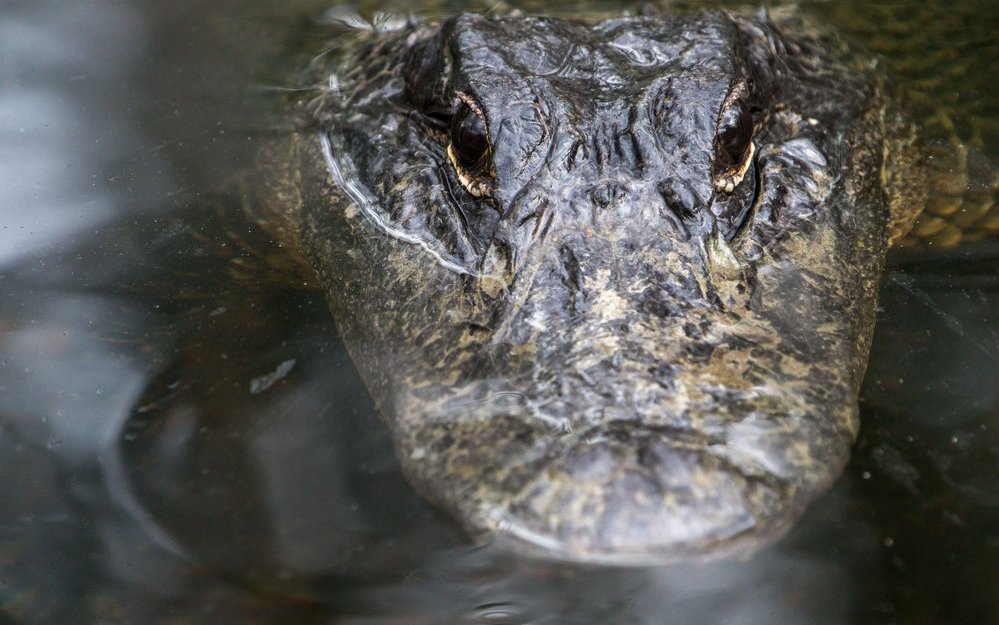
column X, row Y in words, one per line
column 178, row 445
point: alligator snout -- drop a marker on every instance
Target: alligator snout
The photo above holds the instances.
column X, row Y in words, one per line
column 621, row 490
column 628, row 493
column 637, row 419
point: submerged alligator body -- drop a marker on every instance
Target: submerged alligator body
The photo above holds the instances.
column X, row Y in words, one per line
column 612, row 285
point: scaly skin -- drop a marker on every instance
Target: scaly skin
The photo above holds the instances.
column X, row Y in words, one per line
column 614, row 349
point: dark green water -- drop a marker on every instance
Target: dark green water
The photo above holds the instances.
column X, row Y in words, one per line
column 181, row 445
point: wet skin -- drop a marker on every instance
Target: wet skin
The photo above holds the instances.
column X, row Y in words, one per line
column 611, row 285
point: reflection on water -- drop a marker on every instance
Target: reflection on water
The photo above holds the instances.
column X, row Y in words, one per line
column 62, row 137
column 177, row 446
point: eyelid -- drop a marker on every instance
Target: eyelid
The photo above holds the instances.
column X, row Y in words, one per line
column 472, row 104
column 737, row 92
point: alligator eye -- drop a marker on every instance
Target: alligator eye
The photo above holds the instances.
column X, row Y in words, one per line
column 469, row 147
column 735, row 130
column 468, row 136
column 734, row 142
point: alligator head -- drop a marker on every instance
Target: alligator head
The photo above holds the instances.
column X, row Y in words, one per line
column 612, row 285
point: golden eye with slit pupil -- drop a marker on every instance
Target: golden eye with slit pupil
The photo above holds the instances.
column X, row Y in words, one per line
column 734, row 146
column 735, row 133
column 468, row 136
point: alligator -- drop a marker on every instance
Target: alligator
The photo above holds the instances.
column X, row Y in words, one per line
column 611, row 284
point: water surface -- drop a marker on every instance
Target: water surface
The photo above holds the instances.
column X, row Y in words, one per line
column 182, row 444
